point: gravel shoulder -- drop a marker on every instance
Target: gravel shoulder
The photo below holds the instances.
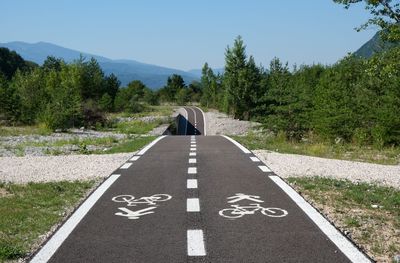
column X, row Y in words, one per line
column 292, row 165
column 59, row 168
column 221, row 124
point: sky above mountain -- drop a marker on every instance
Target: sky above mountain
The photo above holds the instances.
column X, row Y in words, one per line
column 184, row 34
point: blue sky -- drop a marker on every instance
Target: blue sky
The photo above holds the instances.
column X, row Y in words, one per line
column 184, row 34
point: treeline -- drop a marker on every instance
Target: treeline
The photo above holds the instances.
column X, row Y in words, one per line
column 61, row 95
column 355, row 100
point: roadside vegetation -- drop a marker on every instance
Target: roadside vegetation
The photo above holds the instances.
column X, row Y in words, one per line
column 28, row 212
column 367, row 213
column 312, row 146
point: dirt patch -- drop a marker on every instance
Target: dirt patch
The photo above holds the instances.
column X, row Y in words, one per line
column 4, row 192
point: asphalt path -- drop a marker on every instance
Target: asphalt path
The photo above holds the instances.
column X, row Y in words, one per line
column 196, row 199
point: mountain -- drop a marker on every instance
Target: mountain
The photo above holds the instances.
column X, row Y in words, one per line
column 126, row 70
column 374, row 45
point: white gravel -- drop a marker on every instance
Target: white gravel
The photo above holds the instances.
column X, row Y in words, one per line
column 292, row 165
column 219, row 123
column 59, row 168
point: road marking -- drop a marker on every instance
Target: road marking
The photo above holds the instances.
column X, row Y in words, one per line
column 255, row 159
column 192, row 170
column 134, row 158
column 241, row 147
column 187, row 120
column 126, row 166
column 204, row 121
column 145, row 149
column 327, row 228
column 194, row 113
column 192, row 160
column 191, row 184
column 193, row 142
column 135, row 214
column 195, row 243
column 192, row 149
column 264, row 168
column 192, row 205
column 192, row 154
column 65, row 230
column 239, row 197
column 193, row 145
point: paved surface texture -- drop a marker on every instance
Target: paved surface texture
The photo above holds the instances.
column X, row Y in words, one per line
column 196, row 199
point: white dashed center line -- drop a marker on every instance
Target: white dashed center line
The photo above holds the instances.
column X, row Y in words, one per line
column 195, row 242
column 192, row 160
column 192, row 170
column 192, row 205
column 191, row 184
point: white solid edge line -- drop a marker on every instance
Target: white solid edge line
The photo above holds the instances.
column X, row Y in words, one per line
column 264, row 168
column 134, row 158
column 47, row 251
column 192, row 205
column 191, row 183
column 145, row 149
column 327, row 228
column 241, row 147
column 195, row 243
column 126, row 166
column 204, row 121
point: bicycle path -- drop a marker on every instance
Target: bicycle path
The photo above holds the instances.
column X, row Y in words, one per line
column 225, row 206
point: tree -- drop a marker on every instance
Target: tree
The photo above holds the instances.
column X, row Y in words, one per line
column 10, row 62
column 182, row 96
column 52, row 63
column 174, row 84
column 30, row 89
column 235, row 62
column 385, row 14
column 64, row 107
column 208, row 87
column 106, row 103
column 112, row 85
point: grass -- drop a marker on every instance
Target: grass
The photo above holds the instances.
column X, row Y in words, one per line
column 369, row 212
column 137, row 127
column 130, row 145
column 28, row 211
column 24, row 130
column 389, row 155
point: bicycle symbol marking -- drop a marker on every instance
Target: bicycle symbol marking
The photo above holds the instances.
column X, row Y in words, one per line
column 238, row 211
column 145, row 200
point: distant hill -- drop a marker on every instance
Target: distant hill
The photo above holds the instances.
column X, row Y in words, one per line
column 374, row 45
column 126, row 70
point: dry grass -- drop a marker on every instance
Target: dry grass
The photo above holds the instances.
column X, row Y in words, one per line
column 368, row 214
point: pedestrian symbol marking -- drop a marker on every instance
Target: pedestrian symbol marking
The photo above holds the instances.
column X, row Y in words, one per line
column 239, row 197
column 131, row 201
